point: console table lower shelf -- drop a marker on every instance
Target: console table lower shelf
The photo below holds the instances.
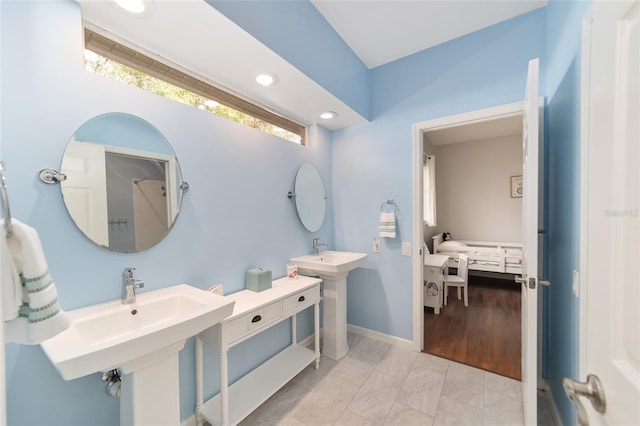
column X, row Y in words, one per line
column 255, row 388
column 253, row 313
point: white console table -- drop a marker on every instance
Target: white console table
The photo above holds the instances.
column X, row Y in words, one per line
column 253, row 313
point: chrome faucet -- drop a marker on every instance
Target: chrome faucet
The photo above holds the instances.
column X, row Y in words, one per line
column 129, row 285
column 317, row 244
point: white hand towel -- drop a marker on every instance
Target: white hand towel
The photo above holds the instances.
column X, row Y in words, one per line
column 39, row 317
column 10, row 284
column 387, row 225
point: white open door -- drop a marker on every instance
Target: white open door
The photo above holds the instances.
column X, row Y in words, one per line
column 85, row 189
column 610, row 221
column 529, row 279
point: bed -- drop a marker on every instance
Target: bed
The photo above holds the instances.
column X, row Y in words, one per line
column 483, row 255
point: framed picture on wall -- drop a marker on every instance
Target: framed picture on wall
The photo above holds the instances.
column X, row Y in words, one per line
column 516, row 186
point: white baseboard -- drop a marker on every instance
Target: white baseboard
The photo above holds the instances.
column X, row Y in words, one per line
column 551, row 401
column 189, row 421
column 386, row 338
column 310, row 340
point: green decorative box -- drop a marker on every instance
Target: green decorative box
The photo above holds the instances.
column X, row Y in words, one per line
column 257, row 279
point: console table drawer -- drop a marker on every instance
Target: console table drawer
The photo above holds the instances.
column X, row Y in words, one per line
column 254, row 321
column 300, row 301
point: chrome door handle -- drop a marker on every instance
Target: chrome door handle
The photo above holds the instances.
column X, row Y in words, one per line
column 591, row 389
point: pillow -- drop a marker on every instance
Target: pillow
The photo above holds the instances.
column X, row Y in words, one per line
column 451, row 244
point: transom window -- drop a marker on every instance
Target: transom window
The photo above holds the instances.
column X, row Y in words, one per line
column 118, row 62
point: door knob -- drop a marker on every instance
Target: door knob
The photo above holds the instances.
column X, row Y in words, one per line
column 521, row 280
column 591, row 389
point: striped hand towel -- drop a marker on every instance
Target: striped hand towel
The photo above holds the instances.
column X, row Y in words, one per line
column 39, row 316
column 10, row 284
column 387, row 225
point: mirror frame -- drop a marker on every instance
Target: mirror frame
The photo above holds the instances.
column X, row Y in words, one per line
column 114, row 139
column 310, row 197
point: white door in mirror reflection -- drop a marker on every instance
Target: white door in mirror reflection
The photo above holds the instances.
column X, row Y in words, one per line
column 121, row 198
column 141, row 197
column 85, row 190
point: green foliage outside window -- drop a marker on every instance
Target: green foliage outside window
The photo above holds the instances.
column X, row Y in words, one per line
column 117, row 71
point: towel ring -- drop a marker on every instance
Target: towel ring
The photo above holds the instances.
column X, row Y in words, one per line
column 5, row 203
column 391, row 203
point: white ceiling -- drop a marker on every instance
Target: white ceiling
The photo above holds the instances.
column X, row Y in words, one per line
column 476, row 131
column 381, row 31
column 194, row 37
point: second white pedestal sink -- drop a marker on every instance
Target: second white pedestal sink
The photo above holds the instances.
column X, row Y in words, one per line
column 333, row 267
column 142, row 340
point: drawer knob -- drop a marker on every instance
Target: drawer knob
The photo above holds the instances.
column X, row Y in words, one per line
column 301, row 299
column 256, row 318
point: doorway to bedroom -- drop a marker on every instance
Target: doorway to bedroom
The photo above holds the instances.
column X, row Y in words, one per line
column 475, row 203
column 486, row 334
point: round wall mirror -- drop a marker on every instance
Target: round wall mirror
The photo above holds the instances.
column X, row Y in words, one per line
column 310, row 197
column 124, row 185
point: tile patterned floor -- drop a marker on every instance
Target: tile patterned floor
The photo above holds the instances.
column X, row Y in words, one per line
column 380, row 384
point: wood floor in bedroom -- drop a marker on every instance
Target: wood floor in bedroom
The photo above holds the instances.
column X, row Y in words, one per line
column 486, row 334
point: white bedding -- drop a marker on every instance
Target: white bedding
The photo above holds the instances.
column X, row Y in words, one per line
column 483, row 255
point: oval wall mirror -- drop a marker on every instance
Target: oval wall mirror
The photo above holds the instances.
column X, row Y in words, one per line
column 124, row 186
column 310, row 197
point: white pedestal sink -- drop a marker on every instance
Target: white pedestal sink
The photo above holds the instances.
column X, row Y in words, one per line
column 142, row 340
column 333, row 267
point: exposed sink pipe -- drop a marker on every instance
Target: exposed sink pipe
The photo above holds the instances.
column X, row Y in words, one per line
column 112, row 378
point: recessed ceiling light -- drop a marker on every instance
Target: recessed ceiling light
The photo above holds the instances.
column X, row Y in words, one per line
column 133, row 6
column 266, row 79
column 328, row 115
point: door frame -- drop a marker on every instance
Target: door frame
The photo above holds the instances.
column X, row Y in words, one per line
column 585, row 96
column 477, row 116
column 171, row 177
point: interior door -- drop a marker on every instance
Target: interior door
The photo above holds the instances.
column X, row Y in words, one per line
column 609, row 319
column 529, row 279
column 85, row 189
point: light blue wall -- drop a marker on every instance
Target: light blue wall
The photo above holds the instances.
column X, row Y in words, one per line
column 563, row 201
column 484, row 69
column 296, row 31
column 125, row 130
column 235, row 216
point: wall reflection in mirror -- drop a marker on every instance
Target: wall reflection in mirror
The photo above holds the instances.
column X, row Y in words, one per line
column 310, row 197
column 123, row 186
